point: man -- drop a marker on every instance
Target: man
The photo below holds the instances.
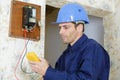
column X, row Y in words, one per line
column 84, row 59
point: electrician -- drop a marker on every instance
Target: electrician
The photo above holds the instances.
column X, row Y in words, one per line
column 84, row 58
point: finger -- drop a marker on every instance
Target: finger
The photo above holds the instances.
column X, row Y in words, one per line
column 32, row 63
column 35, row 68
column 41, row 59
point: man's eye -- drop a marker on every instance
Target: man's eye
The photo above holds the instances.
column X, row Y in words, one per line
column 66, row 27
column 59, row 28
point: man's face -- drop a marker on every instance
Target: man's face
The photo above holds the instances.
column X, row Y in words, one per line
column 69, row 33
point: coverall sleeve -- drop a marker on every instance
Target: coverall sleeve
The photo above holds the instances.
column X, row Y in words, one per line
column 53, row 74
column 89, row 69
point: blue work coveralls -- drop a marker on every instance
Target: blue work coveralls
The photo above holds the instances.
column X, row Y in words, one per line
column 85, row 60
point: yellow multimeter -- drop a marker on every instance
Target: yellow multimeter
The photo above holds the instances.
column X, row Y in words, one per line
column 31, row 56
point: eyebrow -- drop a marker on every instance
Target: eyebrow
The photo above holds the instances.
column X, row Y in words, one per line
column 64, row 26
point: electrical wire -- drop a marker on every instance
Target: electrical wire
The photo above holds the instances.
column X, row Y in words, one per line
column 20, row 56
column 21, row 65
column 22, row 61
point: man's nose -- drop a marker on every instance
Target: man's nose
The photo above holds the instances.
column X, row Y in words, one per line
column 61, row 31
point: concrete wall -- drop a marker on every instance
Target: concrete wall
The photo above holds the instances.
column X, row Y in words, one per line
column 11, row 48
column 112, row 40
column 98, row 8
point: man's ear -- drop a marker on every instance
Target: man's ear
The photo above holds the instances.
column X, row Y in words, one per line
column 80, row 28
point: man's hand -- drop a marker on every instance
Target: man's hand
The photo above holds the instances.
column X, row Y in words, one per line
column 39, row 67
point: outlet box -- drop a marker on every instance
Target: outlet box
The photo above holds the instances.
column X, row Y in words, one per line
column 15, row 29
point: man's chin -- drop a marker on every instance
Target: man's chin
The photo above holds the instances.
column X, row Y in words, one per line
column 65, row 42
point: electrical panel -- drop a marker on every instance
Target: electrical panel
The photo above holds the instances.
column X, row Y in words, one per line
column 25, row 17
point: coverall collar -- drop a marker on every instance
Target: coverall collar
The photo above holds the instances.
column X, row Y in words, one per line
column 78, row 43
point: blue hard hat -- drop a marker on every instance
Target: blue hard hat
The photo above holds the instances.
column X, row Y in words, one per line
column 72, row 12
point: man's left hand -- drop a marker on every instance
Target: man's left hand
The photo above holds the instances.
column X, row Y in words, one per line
column 39, row 67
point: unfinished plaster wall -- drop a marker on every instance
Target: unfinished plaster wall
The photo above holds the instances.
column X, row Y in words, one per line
column 112, row 40
column 11, row 48
column 98, row 8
